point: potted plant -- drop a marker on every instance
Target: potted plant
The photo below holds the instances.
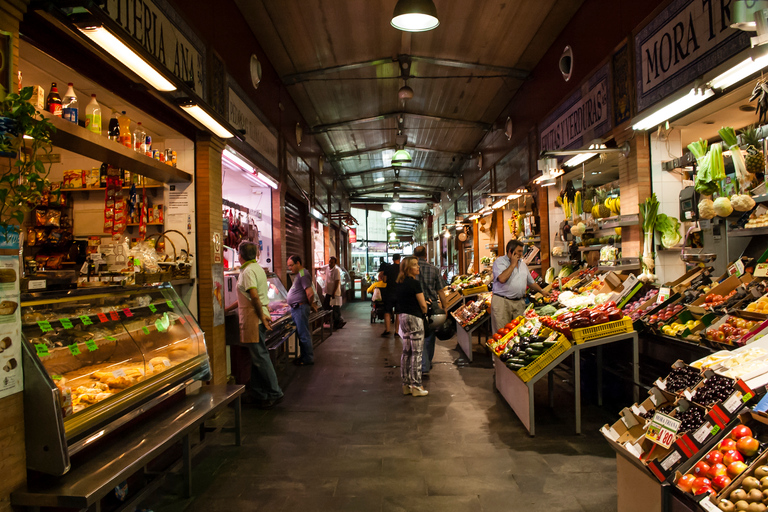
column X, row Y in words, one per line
column 25, row 142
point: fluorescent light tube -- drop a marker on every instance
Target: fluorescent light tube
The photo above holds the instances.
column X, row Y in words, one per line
column 112, row 45
column 578, row 159
column 474, row 217
column 676, row 107
column 266, row 179
column 498, row 204
column 206, row 119
column 739, row 72
column 386, row 214
column 237, row 160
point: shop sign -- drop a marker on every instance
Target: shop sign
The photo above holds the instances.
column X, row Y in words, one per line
column 352, row 236
column 257, row 135
column 148, row 22
column 687, row 39
column 585, row 116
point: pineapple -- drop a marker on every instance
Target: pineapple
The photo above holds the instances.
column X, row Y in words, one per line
column 588, row 205
column 755, row 160
column 603, row 211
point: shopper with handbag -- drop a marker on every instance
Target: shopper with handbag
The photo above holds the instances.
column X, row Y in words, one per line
column 411, row 307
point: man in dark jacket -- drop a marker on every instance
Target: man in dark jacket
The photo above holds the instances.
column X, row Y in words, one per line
column 431, row 282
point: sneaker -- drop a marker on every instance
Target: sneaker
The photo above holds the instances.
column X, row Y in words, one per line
column 418, row 391
column 268, row 404
column 406, row 390
column 385, row 334
column 341, row 324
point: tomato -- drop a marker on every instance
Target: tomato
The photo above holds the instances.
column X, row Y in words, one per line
column 510, row 326
column 497, row 336
column 504, row 331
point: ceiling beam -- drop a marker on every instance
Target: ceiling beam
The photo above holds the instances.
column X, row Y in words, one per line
column 447, row 174
column 304, row 76
column 355, row 152
column 321, row 128
column 389, row 187
column 519, row 74
column 362, row 201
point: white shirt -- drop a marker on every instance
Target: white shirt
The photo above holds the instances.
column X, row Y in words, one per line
column 518, row 281
column 332, row 280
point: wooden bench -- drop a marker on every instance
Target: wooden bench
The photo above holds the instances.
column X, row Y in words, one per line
column 131, row 451
column 319, row 317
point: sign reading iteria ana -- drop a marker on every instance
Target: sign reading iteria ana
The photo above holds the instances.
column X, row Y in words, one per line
column 583, row 117
column 687, row 39
column 155, row 26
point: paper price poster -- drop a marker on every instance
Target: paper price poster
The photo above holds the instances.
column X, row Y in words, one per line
column 663, row 429
column 11, row 378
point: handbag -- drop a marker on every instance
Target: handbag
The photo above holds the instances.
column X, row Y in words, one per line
column 376, row 296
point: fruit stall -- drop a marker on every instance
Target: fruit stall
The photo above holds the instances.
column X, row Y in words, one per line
column 470, row 317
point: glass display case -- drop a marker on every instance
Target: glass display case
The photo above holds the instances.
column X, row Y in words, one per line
column 278, row 299
column 93, row 361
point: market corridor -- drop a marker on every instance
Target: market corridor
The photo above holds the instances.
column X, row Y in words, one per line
column 345, row 439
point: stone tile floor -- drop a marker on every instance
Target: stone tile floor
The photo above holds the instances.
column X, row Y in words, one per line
column 346, row 439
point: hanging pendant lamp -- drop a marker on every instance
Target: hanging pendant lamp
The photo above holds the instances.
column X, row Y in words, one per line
column 401, row 157
column 415, row 16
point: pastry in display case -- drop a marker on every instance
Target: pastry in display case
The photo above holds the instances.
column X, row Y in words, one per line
column 94, row 361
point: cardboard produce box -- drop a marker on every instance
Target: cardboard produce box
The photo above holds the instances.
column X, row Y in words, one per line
column 684, row 281
column 448, row 297
column 722, row 289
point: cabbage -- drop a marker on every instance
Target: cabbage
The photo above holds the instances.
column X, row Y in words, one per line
column 549, row 277
column 669, row 227
column 706, row 208
column 602, row 298
column 723, row 207
column 742, row 202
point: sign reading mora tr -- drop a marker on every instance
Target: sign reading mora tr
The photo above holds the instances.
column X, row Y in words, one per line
column 151, row 27
column 687, row 39
column 586, row 115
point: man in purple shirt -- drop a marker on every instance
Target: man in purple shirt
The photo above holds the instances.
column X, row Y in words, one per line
column 301, row 299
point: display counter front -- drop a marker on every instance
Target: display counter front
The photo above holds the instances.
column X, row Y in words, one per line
column 94, row 361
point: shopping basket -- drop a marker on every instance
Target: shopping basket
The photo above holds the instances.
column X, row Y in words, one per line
column 475, row 290
column 602, row 330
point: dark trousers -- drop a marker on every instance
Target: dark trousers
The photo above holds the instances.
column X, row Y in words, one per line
column 336, row 310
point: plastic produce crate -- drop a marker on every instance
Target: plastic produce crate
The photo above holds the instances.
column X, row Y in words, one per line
column 475, row 290
column 602, row 330
column 527, row 372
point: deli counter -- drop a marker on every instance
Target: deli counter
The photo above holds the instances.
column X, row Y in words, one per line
column 94, row 361
column 279, row 310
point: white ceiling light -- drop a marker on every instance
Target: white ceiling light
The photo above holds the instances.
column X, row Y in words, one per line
column 739, row 72
column 386, row 214
column 693, row 98
column 205, row 118
column 379, row 180
column 500, row 203
column 396, row 207
column 579, row 159
column 249, row 171
column 415, row 16
column 115, row 47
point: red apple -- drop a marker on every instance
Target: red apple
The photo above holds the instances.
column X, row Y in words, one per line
column 726, row 444
column 732, row 456
column 700, row 483
column 701, row 469
column 747, row 445
column 704, row 490
column 714, row 457
column 716, row 470
column 736, row 468
column 740, row 431
column 721, row 482
column 685, row 482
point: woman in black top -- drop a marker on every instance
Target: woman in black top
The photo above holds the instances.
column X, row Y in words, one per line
column 412, row 307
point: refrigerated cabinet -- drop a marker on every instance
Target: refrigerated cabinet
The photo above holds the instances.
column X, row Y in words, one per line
column 94, row 361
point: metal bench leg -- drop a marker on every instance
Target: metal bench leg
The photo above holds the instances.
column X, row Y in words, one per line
column 238, row 421
column 551, row 389
column 599, row 375
column 187, row 465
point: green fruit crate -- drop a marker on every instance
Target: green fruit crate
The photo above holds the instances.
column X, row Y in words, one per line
column 475, row 290
column 528, row 372
column 602, row 330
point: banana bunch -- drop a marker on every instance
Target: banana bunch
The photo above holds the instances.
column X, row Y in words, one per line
column 577, row 203
column 567, row 208
column 614, row 205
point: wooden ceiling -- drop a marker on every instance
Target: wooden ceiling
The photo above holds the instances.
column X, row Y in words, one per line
column 343, row 64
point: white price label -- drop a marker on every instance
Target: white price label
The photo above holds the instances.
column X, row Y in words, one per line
column 672, row 459
column 706, row 504
column 37, row 284
column 167, row 363
column 733, row 403
column 119, row 373
column 703, row 432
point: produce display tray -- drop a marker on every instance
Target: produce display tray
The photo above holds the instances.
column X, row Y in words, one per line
column 475, row 290
column 528, row 372
column 748, row 232
column 602, row 330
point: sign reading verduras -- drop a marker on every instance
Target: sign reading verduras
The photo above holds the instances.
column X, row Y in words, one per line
column 687, row 39
column 585, row 116
column 157, row 28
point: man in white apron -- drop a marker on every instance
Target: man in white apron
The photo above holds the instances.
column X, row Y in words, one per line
column 333, row 292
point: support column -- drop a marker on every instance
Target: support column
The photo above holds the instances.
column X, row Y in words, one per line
column 210, row 273
column 635, row 187
column 278, row 218
column 543, row 205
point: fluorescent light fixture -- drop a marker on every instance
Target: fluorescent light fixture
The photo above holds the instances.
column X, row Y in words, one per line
column 112, row 45
column 512, row 197
column 379, row 180
column 549, row 176
column 676, row 107
column 579, row 159
column 396, row 206
column 401, row 157
column 266, row 179
column 548, row 183
column 474, row 217
column 739, row 72
column 447, row 234
column 236, row 159
column 316, row 214
column 415, row 16
column 205, row 118
column 500, row 203
column 386, row 214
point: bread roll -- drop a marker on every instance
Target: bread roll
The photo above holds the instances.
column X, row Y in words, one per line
column 178, row 355
column 8, row 307
column 7, row 275
column 159, row 364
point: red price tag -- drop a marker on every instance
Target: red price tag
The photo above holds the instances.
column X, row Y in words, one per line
column 127, row 312
column 181, row 320
column 103, row 318
column 114, row 316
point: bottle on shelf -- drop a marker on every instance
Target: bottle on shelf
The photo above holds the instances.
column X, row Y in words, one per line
column 69, row 107
column 103, row 175
column 125, row 129
column 53, row 101
column 114, row 128
column 138, row 138
column 93, row 116
column 146, row 148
